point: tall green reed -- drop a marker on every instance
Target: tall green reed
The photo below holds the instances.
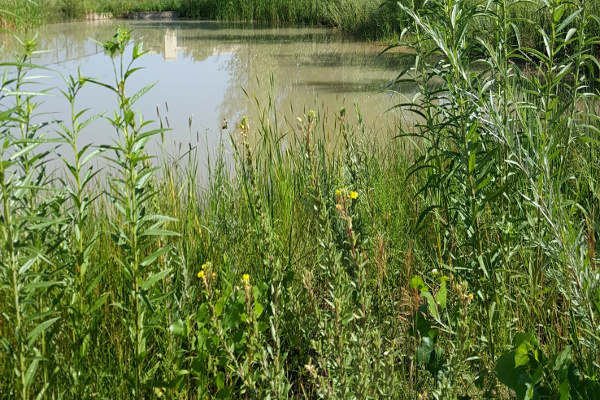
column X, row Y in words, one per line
column 502, row 128
column 31, row 234
column 142, row 231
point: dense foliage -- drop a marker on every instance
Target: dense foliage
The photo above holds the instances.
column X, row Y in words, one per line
column 454, row 260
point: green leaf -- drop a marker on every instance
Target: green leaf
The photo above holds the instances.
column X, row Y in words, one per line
column 179, row 328
column 232, row 318
column 31, row 370
column 152, row 257
column 507, row 371
column 32, row 336
column 159, row 232
column 262, row 326
column 202, row 314
column 219, row 307
column 424, row 350
column 37, row 285
column 432, row 307
column 99, row 302
column 140, row 93
column 417, row 283
column 258, row 309
column 223, row 393
column 152, row 279
column 260, row 289
column 524, row 342
column 220, row 380
column 442, row 293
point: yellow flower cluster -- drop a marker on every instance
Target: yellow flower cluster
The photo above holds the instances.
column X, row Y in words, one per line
column 353, row 195
column 206, row 267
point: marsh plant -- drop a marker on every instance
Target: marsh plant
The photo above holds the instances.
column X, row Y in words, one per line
column 502, row 144
column 454, row 257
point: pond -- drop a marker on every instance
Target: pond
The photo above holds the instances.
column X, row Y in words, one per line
column 210, row 74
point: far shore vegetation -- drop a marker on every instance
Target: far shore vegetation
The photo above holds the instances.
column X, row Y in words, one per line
column 369, row 19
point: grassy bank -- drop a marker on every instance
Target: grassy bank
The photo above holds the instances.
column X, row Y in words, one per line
column 455, row 260
column 369, row 19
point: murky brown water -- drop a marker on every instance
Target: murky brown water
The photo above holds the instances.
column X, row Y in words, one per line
column 201, row 68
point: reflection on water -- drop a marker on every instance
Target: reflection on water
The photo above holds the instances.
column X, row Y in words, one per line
column 201, row 68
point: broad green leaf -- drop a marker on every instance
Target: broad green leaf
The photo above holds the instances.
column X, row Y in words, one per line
column 219, row 307
column 258, row 309
column 417, row 283
column 178, row 328
column 442, row 293
column 423, row 351
column 220, row 380
column 506, row 370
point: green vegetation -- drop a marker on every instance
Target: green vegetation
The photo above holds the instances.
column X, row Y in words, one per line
column 372, row 19
column 456, row 260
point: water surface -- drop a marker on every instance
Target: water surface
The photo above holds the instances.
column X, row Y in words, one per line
column 201, row 68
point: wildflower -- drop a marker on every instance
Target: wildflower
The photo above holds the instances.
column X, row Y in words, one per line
column 203, row 266
column 214, row 275
column 201, row 274
column 353, row 195
column 337, row 192
column 246, row 278
column 339, row 207
column 470, row 297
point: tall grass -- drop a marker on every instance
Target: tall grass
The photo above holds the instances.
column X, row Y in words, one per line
column 453, row 259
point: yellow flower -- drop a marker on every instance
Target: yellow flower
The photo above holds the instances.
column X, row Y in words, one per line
column 470, row 297
column 339, row 207
column 214, row 275
column 201, row 274
column 246, row 278
column 353, row 195
column 337, row 192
